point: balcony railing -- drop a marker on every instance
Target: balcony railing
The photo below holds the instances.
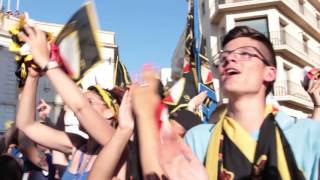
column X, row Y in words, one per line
column 282, row 39
column 309, row 16
column 290, row 88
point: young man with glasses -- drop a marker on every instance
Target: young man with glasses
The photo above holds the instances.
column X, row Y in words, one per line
column 250, row 140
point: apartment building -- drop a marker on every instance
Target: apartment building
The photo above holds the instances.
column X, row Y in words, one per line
column 293, row 26
column 9, row 91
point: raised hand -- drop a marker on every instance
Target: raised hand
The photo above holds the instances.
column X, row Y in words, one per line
column 37, row 41
column 44, row 109
column 314, row 92
column 177, row 159
column 196, row 101
column 145, row 94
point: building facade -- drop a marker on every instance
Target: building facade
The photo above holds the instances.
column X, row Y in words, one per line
column 9, row 91
column 293, row 26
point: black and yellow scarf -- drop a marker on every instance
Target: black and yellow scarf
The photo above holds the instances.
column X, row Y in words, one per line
column 234, row 154
column 23, row 57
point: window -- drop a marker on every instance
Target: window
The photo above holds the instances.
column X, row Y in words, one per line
column 259, row 24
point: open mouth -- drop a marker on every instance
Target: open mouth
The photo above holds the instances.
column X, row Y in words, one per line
column 231, row 72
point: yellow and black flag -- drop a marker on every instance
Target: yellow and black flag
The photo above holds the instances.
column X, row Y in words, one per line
column 121, row 75
column 78, row 45
column 178, row 96
column 196, row 72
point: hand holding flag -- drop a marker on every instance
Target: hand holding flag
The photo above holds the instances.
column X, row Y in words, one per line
column 22, row 50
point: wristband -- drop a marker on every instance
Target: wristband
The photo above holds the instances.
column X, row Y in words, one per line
column 51, row 64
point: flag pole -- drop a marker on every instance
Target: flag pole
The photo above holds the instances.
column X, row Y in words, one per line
column 196, row 32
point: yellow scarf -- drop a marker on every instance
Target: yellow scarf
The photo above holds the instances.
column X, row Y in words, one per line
column 243, row 140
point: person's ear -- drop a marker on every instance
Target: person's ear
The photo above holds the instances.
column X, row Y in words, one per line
column 270, row 74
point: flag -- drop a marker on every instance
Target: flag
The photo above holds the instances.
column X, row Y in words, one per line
column 22, row 50
column 196, row 71
column 121, row 75
column 78, row 45
column 206, row 83
column 205, row 76
column 178, row 96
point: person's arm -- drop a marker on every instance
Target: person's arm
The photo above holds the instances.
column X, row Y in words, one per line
column 36, row 131
column 145, row 102
column 67, row 89
column 314, row 92
column 112, row 152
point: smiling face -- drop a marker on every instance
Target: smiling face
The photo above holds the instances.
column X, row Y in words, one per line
column 245, row 77
column 100, row 106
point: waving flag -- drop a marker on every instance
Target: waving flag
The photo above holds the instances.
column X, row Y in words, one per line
column 205, row 77
column 179, row 95
column 196, row 71
column 78, row 43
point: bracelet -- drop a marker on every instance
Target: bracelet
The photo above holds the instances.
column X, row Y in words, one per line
column 51, row 64
column 316, row 105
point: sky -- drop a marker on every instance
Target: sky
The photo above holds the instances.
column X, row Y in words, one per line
column 147, row 31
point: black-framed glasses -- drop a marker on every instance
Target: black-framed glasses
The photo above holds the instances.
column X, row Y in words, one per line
column 244, row 53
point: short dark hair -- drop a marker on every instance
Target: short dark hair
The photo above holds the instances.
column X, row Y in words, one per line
column 245, row 31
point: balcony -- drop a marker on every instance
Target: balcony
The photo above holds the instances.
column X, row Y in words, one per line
column 287, row 45
column 306, row 19
column 293, row 93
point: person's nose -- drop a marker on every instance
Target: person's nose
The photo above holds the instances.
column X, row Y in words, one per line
column 229, row 58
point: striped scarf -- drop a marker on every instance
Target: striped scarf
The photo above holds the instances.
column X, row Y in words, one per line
column 234, row 154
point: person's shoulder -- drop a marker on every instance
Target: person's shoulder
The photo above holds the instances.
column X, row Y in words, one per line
column 303, row 137
column 285, row 121
column 200, row 132
column 290, row 123
column 201, row 128
column 197, row 138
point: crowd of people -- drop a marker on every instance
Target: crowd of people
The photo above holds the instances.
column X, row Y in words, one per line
column 120, row 134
